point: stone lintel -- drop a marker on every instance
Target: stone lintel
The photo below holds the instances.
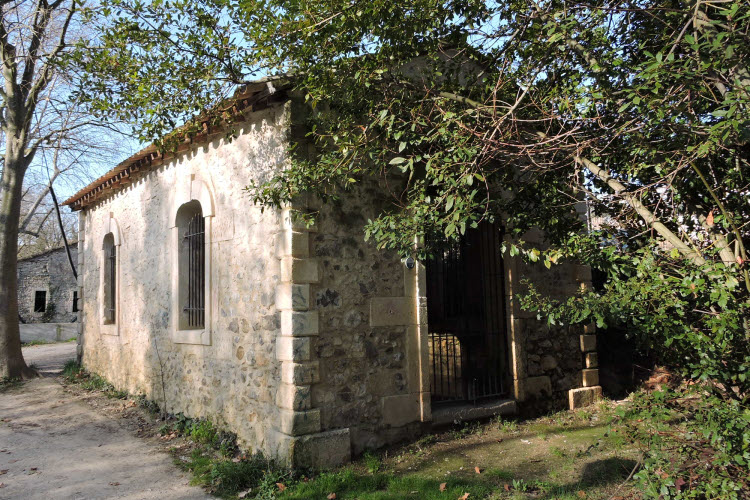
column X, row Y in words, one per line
column 290, row 296
column 584, row 396
column 317, row 451
column 590, row 377
column 299, row 270
column 588, row 343
column 300, row 373
column 293, row 348
column 297, row 423
column 592, row 360
column 293, row 397
column 299, row 324
column 392, row 311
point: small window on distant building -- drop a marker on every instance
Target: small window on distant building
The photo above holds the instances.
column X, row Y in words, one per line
column 40, row 301
column 75, row 301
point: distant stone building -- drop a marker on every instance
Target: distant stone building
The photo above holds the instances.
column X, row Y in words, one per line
column 47, row 290
column 307, row 342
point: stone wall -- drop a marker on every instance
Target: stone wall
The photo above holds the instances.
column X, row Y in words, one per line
column 228, row 375
column 49, row 272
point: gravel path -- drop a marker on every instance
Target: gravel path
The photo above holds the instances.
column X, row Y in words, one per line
column 55, row 444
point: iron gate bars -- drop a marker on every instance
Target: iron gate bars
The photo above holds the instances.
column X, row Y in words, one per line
column 466, row 318
column 112, row 284
column 196, row 267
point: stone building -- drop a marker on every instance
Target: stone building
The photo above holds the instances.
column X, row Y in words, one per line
column 47, row 289
column 307, row 342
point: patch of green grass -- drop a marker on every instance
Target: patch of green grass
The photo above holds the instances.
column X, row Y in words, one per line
column 71, row 339
column 74, row 373
column 8, row 383
column 348, row 484
column 36, row 342
column 226, row 478
column 372, row 462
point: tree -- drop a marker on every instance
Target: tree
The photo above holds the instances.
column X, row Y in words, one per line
column 43, row 130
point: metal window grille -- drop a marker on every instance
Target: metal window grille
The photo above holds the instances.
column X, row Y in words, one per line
column 40, row 301
column 466, row 318
column 110, row 307
column 195, row 239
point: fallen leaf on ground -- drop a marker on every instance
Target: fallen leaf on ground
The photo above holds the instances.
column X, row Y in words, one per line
column 443, row 486
column 581, row 494
column 2, row 485
column 281, row 486
column 331, row 496
column 477, row 470
column 243, row 494
column 464, row 496
column 115, row 483
column 35, row 468
column 4, row 471
column 507, row 487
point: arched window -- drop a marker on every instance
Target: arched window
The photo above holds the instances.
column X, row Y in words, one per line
column 191, row 255
column 110, row 280
column 191, row 262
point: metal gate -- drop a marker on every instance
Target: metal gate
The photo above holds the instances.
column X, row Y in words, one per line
column 466, row 318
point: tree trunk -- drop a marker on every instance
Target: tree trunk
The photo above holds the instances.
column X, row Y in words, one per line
column 12, row 364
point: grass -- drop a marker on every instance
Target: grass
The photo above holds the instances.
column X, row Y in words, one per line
column 568, row 455
column 8, row 383
column 36, row 342
column 73, row 372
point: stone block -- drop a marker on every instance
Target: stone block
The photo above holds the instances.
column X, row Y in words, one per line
column 293, row 348
column 589, row 329
column 401, row 410
column 300, row 373
column 299, row 324
column 392, row 311
column 318, row 451
column 297, row 423
column 293, row 243
column 293, row 297
column 592, row 360
column 578, row 398
column 289, row 221
column 293, row 397
column 588, row 343
column 538, row 386
column 590, row 377
column 299, row 270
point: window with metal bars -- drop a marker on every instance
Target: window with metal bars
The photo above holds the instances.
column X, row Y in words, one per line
column 110, row 279
column 192, row 266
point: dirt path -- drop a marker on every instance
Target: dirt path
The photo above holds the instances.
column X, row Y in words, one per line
column 54, row 444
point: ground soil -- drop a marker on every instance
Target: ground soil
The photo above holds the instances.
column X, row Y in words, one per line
column 63, row 442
